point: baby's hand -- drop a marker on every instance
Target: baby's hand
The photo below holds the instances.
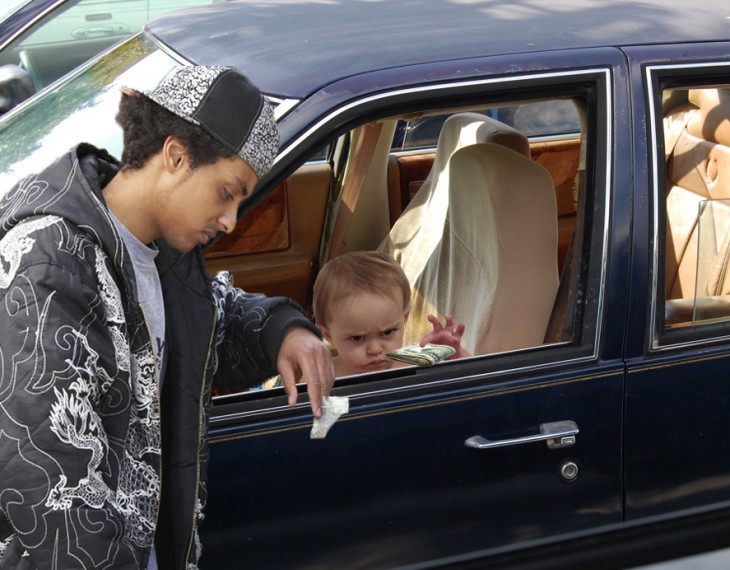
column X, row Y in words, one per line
column 445, row 334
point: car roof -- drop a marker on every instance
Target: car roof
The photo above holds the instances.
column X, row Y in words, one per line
column 293, row 48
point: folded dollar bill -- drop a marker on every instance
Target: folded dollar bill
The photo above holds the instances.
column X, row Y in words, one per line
column 332, row 408
column 422, row 355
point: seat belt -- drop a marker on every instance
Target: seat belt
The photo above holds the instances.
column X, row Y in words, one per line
column 361, row 158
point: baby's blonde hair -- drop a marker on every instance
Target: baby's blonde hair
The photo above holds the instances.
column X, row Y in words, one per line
column 358, row 272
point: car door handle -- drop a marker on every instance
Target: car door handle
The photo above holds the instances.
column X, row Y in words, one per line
column 556, row 434
column 100, row 31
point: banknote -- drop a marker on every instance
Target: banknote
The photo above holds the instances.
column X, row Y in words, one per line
column 332, row 408
column 422, row 355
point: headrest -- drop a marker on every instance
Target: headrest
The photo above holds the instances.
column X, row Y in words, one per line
column 712, row 121
column 420, row 226
column 516, row 190
column 465, row 129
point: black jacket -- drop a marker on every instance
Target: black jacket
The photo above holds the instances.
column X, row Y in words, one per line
column 92, row 458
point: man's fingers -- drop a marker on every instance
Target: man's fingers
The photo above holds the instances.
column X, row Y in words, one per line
column 290, row 382
column 314, row 389
column 319, row 374
column 301, row 350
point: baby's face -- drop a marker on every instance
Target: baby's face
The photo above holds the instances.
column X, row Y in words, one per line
column 363, row 328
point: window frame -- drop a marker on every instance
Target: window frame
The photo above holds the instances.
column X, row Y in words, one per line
column 471, row 372
column 657, row 78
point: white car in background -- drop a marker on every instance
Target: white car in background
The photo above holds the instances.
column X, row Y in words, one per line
column 41, row 40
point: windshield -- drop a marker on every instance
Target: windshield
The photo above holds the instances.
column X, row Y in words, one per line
column 80, row 108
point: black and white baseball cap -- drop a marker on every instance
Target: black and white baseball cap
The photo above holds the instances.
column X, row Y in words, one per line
column 224, row 103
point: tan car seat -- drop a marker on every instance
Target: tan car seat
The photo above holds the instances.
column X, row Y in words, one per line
column 697, row 141
column 479, row 239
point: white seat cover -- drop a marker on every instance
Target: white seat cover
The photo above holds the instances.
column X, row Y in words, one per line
column 479, row 240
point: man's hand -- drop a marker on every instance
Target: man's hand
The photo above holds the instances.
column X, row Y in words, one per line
column 303, row 350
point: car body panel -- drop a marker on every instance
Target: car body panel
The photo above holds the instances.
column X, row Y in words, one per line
column 294, row 51
column 395, row 480
column 683, row 381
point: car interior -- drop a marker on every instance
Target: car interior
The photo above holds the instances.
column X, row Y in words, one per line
column 697, row 149
column 481, row 217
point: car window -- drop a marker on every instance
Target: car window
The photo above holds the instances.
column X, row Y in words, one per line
column 78, row 20
column 82, row 110
column 399, row 187
column 694, row 286
column 79, row 29
column 541, row 118
column 431, row 194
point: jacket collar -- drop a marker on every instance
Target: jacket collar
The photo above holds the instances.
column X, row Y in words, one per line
column 70, row 188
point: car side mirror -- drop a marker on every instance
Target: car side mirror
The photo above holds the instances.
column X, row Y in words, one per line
column 15, row 86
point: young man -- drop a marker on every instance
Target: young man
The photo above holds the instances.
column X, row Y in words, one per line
column 112, row 332
column 361, row 303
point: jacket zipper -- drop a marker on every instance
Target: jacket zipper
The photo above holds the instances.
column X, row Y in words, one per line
column 200, row 438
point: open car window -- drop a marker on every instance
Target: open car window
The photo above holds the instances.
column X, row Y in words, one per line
column 285, row 240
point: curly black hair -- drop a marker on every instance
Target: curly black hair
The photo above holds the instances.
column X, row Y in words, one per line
column 146, row 125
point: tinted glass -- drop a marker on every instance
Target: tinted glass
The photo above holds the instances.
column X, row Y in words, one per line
column 82, row 109
column 77, row 30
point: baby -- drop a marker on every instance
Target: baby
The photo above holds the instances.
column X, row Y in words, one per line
column 361, row 303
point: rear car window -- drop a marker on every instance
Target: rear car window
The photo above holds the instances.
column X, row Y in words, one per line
column 696, row 237
column 537, row 119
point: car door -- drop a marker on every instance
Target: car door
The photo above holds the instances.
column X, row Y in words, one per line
column 486, row 452
column 678, row 353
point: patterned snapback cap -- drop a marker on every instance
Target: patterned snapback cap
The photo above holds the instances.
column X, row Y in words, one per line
column 227, row 106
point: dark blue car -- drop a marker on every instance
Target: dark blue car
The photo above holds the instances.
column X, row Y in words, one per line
column 555, row 176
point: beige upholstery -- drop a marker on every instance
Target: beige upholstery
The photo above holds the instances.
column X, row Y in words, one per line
column 479, row 240
column 697, row 140
column 418, row 231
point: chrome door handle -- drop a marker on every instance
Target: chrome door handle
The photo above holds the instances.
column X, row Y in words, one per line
column 556, row 434
column 101, row 30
